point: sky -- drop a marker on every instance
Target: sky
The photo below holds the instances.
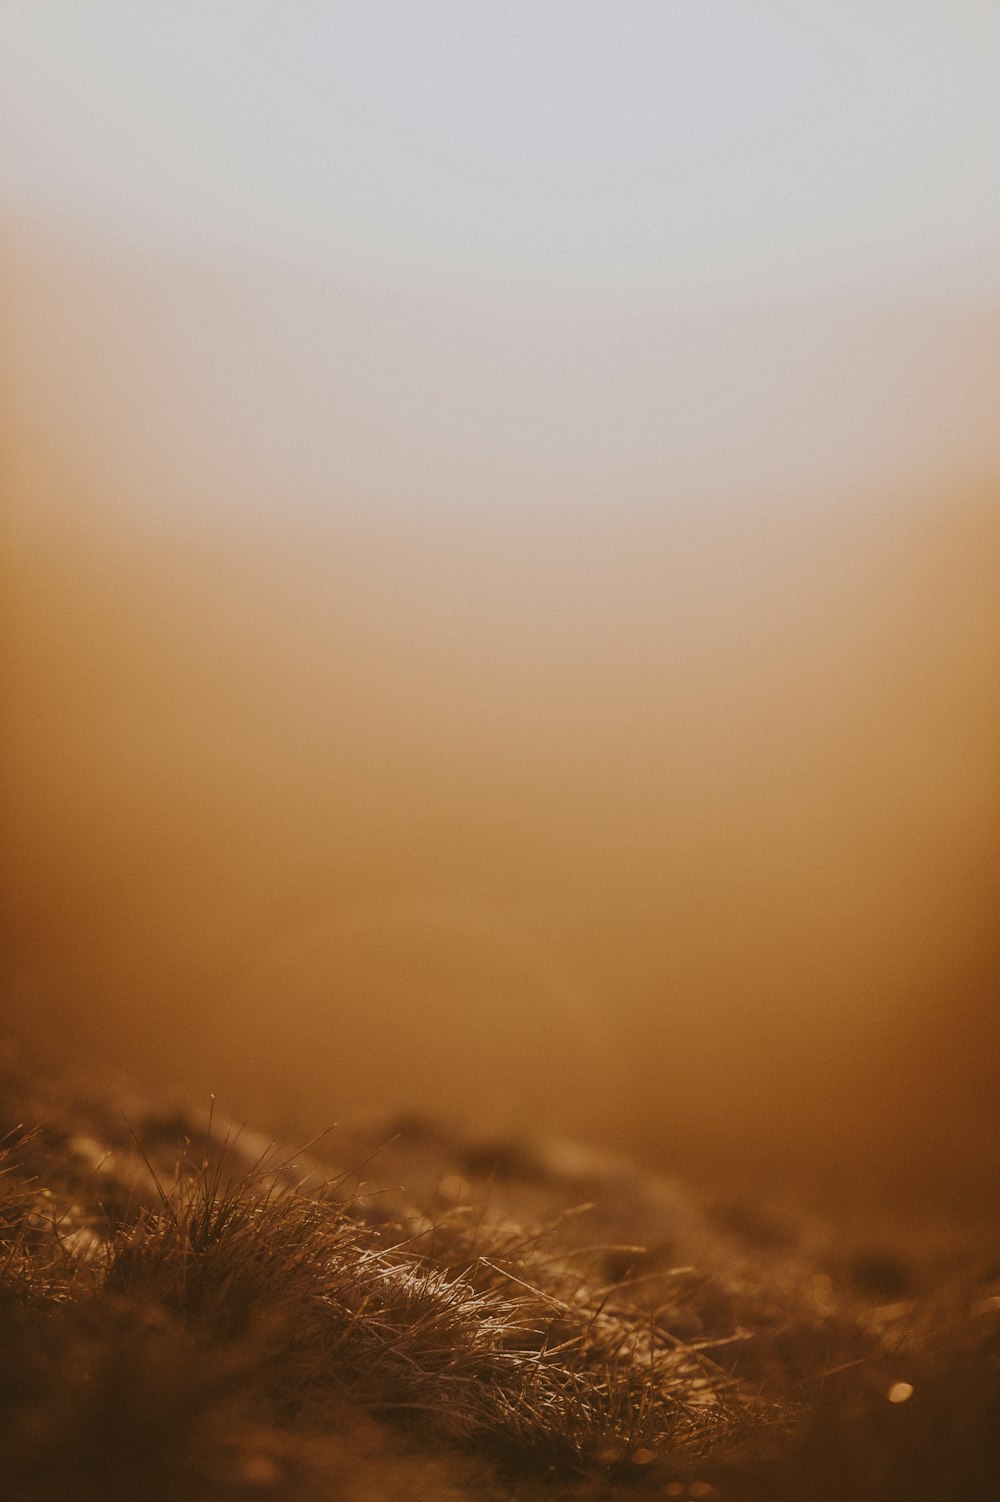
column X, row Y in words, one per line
column 501, row 562
column 679, row 151
column 487, row 257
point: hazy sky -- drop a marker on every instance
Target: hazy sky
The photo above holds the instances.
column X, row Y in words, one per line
column 716, row 776
column 559, row 253
column 696, row 149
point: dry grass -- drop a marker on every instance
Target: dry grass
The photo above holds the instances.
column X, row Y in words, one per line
column 183, row 1317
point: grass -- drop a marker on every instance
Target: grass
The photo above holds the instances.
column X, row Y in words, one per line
column 183, row 1315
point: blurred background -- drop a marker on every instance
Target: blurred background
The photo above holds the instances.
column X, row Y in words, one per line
column 500, row 566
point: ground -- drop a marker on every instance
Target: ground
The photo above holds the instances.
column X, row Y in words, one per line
column 410, row 1310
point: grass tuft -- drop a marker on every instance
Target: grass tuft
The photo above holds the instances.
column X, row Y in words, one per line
column 184, row 1316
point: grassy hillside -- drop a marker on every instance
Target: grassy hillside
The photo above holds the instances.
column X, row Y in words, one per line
column 410, row 1311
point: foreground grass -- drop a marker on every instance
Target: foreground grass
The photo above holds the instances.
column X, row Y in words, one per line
column 184, row 1315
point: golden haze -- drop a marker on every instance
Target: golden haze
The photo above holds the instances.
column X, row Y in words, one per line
column 676, row 827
